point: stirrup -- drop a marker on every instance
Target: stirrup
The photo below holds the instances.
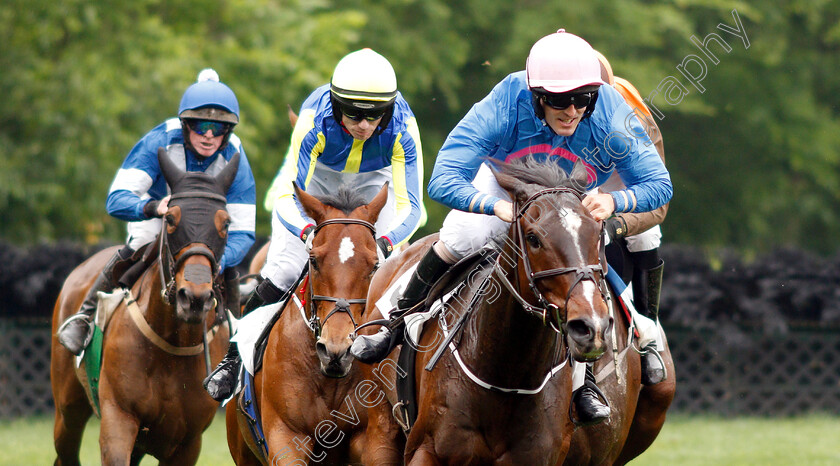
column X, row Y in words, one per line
column 88, row 337
column 648, row 351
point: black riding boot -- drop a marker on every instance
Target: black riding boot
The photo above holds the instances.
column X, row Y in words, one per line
column 647, row 283
column 75, row 333
column 221, row 383
column 587, row 402
column 371, row 349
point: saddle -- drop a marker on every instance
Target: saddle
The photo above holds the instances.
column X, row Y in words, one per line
column 141, row 260
column 477, row 264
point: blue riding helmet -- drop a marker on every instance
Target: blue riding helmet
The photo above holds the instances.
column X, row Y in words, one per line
column 209, row 100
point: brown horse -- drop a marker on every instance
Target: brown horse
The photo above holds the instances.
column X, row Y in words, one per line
column 637, row 411
column 501, row 395
column 306, row 389
column 153, row 361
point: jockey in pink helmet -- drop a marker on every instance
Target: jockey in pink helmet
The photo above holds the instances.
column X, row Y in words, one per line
column 557, row 109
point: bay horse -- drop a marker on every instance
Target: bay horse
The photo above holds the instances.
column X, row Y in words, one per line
column 637, row 411
column 154, row 354
column 501, row 392
column 305, row 391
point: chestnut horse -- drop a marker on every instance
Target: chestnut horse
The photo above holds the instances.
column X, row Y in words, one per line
column 637, row 411
column 153, row 359
column 305, row 390
column 502, row 394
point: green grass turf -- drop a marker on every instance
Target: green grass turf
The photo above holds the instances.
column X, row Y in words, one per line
column 684, row 441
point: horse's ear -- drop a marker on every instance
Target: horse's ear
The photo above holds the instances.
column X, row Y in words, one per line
column 228, row 174
column 311, row 205
column 171, row 173
column 293, row 118
column 579, row 177
column 376, row 204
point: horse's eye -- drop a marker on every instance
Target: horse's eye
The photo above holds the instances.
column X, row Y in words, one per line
column 313, row 264
column 170, row 220
column 226, row 225
column 532, row 240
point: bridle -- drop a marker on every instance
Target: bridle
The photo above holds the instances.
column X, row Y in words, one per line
column 341, row 304
column 544, row 308
column 169, row 265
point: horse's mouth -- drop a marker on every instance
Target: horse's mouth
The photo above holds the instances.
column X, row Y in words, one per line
column 588, row 356
column 335, row 371
column 334, row 364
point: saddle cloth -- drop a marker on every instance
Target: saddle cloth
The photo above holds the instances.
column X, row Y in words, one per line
column 413, row 322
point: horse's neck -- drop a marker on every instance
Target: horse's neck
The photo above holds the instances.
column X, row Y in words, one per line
column 507, row 342
column 161, row 315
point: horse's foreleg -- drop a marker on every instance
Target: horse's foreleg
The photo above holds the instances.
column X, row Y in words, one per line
column 423, row 457
column 186, row 453
column 69, row 426
column 384, row 443
column 137, row 457
column 117, row 434
column 288, row 447
column 239, row 449
column 649, row 418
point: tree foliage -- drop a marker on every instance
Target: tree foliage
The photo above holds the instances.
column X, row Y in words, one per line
column 751, row 148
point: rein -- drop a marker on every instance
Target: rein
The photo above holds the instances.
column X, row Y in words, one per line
column 168, row 264
column 543, row 308
column 168, row 267
column 585, row 272
column 341, row 304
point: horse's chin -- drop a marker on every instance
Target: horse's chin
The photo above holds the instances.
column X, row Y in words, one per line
column 190, row 317
column 334, row 366
column 337, row 370
column 587, row 354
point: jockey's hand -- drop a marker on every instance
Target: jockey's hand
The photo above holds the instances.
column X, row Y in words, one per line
column 616, row 227
column 601, row 205
column 504, row 210
column 384, row 248
column 163, row 206
column 307, row 236
column 156, row 209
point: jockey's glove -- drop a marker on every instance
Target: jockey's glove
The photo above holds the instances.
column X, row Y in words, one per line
column 307, row 235
column 384, row 246
column 307, row 232
column 616, row 228
column 150, row 210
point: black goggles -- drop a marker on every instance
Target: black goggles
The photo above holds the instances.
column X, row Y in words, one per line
column 562, row 101
column 359, row 114
column 203, row 126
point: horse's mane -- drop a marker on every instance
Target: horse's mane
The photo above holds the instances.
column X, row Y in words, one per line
column 544, row 172
column 346, row 199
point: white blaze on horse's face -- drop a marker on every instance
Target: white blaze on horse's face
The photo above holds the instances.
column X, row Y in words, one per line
column 573, row 221
column 345, row 249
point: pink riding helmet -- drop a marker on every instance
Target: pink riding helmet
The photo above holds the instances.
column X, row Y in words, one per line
column 561, row 62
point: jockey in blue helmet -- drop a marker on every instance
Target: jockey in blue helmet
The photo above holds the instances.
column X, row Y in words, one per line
column 200, row 139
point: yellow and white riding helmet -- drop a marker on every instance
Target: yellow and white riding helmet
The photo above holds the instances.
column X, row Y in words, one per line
column 364, row 85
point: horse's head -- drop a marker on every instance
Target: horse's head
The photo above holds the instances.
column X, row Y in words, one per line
column 342, row 261
column 194, row 237
column 558, row 244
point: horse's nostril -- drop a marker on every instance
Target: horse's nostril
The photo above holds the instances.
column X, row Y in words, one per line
column 183, row 297
column 580, row 330
column 321, row 348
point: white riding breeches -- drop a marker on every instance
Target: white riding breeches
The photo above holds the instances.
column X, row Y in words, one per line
column 645, row 241
column 466, row 232
column 287, row 254
column 143, row 232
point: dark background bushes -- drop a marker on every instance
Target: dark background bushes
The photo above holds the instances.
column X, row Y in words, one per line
column 788, row 287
